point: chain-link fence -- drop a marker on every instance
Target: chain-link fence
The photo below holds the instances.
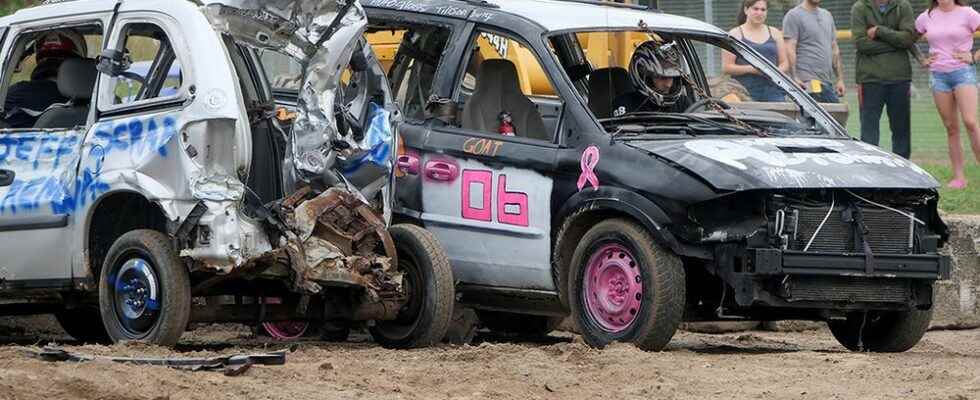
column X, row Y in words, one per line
column 929, row 137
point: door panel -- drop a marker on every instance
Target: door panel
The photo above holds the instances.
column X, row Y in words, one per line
column 35, row 206
column 493, row 220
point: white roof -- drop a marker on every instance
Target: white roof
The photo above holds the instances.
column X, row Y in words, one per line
column 561, row 15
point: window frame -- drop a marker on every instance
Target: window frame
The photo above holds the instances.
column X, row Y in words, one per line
column 12, row 34
column 449, row 28
column 457, row 81
column 106, row 90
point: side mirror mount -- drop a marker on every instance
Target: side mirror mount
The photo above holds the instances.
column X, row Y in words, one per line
column 113, row 62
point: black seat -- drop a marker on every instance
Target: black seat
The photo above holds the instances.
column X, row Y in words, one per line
column 76, row 81
column 605, row 84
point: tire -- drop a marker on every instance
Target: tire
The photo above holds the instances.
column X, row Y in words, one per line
column 157, row 314
column 335, row 332
column 84, row 324
column 636, row 293
column 428, row 281
column 518, row 324
column 881, row 331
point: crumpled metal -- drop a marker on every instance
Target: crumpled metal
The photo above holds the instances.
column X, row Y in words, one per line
column 321, row 36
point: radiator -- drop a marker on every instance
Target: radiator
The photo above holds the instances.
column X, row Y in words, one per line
column 889, row 231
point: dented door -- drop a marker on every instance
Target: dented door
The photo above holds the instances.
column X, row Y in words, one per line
column 41, row 187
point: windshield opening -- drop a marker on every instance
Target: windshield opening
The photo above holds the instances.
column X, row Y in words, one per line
column 645, row 82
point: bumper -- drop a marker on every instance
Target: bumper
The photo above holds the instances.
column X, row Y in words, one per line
column 910, row 266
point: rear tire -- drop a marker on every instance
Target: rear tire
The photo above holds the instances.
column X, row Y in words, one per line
column 519, row 324
column 428, row 281
column 144, row 290
column 625, row 288
column 84, row 324
column 881, row 331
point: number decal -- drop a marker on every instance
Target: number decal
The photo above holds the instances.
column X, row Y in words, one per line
column 505, row 198
column 512, row 207
column 485, row 179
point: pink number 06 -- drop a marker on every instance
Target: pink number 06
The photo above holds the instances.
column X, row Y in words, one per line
column 504, row 199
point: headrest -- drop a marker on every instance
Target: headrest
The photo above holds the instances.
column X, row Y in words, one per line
column 498, row 74
column 76, row 78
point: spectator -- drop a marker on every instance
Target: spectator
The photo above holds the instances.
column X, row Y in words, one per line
column 811, row 47
column 949, row 26
column 884, row 34
column 753, row 31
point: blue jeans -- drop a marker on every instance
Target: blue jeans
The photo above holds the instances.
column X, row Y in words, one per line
column 828, row 95
column 948, row 81
column 767, row 93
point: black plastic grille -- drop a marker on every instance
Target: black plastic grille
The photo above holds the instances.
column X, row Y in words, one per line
column 850, row 289
column 889, row 231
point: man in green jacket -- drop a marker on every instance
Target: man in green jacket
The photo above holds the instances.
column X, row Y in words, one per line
column 884, row 34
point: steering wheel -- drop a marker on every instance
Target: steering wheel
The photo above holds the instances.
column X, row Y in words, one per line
column 703, row 103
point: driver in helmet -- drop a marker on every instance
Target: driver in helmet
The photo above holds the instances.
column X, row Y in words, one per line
column 27, row 100
column 656, row 79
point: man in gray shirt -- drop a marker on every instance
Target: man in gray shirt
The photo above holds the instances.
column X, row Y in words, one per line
column 814, row 57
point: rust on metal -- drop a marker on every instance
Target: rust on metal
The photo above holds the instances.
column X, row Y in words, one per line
column 335, row 239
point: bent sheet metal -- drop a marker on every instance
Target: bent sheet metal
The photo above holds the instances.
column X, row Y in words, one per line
column 340, row 142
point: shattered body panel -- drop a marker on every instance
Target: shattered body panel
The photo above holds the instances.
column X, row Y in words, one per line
column 331, row 238
column 188, row 156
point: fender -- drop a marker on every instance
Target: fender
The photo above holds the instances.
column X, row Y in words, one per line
column 651, row 216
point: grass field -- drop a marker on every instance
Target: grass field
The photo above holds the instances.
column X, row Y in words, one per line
column 930, row 150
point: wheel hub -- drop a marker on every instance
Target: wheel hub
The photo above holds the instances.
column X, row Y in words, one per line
column 613, row 288
column 137, row 295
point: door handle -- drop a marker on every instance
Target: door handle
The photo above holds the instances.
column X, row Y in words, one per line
column 441, row 171
column 409, row 164
column 6, row 177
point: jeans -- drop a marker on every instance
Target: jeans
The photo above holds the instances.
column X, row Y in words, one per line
column 872, row 97
column 766, row 93
column 828, row 95
column 948, row 81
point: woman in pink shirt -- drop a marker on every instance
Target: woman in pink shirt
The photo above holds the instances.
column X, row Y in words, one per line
column 949, row 26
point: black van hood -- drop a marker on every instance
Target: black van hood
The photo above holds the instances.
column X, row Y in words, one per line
column 790, row 163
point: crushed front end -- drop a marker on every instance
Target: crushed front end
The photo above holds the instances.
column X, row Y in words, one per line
column 817, row 254
column 331, row 229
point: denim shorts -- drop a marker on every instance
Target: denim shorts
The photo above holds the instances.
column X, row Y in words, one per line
column 948, row 81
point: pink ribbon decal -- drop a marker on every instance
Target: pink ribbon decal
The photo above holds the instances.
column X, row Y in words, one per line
column 590, row 158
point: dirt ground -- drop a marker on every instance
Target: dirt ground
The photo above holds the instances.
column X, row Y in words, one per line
column 749, row 365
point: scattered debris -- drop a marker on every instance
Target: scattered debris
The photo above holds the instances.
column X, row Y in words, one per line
column 231, row 365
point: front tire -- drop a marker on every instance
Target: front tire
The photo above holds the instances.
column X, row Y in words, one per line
column 881, row 331
column 144, row 290
column 428, row 282
column 625, row 288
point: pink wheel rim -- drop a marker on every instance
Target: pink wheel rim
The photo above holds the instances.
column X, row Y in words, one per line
column 613, row 288
column 284, row 330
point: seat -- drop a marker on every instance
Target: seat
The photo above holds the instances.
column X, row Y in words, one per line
column 605, row 85
column 498, row 89
column 76, row 81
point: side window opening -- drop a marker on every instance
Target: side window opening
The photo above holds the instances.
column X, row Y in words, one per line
column 505, row 90
column 37, row 85
column 154, row 70
column 412, row 55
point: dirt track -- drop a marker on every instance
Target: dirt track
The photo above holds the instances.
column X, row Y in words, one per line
column 753, row 365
